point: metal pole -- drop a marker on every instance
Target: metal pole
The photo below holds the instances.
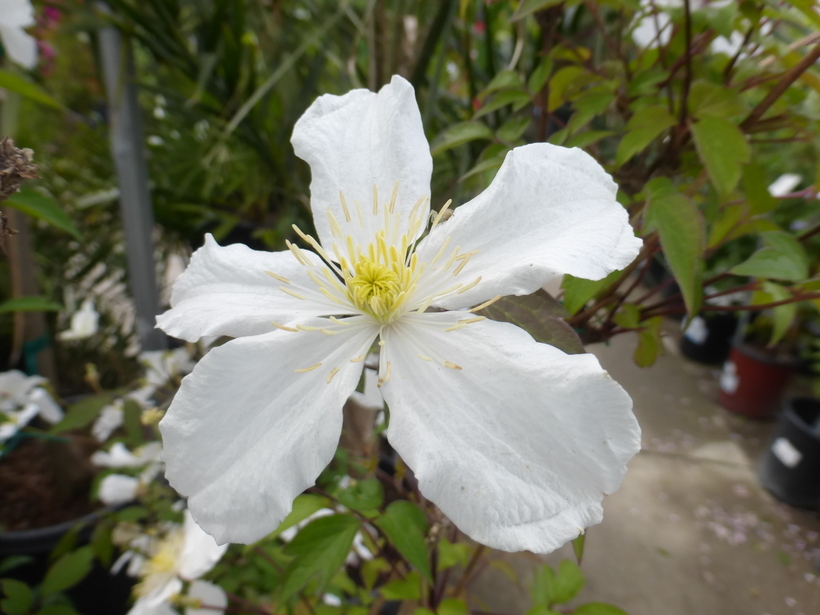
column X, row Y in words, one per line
column 127, row 148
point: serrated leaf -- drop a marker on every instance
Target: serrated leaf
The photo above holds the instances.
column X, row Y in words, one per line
column 723, row 150
column 540, row 315
column 530, row 7
column 643, row 128
column 82, row 413
column 39, row 206
column 26, row 88
column 649, row 343
column 598, row 608
column 30, row 304
column 405, row 526
column 408, row 588
column 67, row 571
column 363, row 495
column 319, row 550
column 681, row 229
column 711, row 100
column 577, row 291
column 782, row 258
column 757, row 192
column 303, row 506
column 459, row 134
column 17, row 599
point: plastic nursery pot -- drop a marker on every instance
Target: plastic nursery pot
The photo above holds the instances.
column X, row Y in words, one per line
column 790, row 469
column 752, row 383
column 708, row 339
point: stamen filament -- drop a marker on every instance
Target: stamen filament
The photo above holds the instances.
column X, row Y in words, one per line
column 308, row 369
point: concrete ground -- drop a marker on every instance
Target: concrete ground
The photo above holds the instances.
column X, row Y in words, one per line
column 690, row 532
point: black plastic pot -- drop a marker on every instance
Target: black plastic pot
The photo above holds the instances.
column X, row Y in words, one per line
column 790, row 469
column 708, row 339
column 99, row 593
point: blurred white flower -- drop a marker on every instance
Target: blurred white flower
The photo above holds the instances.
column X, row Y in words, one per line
column 162, row 366
column 15, row 16
column 118, row 456
column 184, row 554
column 21, row 399
column 84, row 322
column 784, row 184
column 110, row 418
column 118, row 489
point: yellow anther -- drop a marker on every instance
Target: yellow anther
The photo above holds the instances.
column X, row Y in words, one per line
column 478, row 308
column 283, row 327
column 339, row 322
column 276, row 276
column 358, row 359
column 393, row 197
column 306, row 328
column 451, row 365
column 332, row 373
column 308, row 369
column 375, row 200
column 344, row 206
column 424, row 358
column 472, row 284
column 292, row 293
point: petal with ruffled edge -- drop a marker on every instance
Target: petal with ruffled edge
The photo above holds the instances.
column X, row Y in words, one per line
column 520, row 445
column 360, row 140
column 246, row 433
column 549, row 211
column 225, row 291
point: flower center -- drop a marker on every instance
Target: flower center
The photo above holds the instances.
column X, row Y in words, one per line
column 374, row 287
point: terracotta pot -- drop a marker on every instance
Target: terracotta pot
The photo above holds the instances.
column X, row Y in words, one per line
column 791, row 465
column 752, row 383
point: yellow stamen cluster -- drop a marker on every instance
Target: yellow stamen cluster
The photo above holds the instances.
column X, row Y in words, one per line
column 163, row 564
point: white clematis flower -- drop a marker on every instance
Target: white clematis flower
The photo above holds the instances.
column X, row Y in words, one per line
column 185, row 554
column 516, row 441
column 15, row 15
column 21, row 399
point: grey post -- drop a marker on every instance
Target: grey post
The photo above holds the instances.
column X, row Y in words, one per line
column 127, row 148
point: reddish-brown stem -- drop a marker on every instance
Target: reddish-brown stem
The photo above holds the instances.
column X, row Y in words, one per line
column 739, row 308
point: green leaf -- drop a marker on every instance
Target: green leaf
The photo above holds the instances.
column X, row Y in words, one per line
column 363, row 495
column 405, row 526
column 513, row 128
column 541, row 610
column 549, row 587
column 782, row 258
column 67, row 571
column 452, row 606
column 18, row 597
column 303, row 506
column 529, row 7
column 711, row 100
column 598, row 608
column 578, row 547
column 587, row 107
column 30, row 304
column 643, row 128
column 20, row 85
column 649, row 343
column 584, row 139
column 565, row 83
column 58, row 609
column 452, row 554
column 14, row 561
column 102, row 545
column 517, row 98
column 723, row 150
column 485, row 165
column 319, row 550
column 132, row 418
column 503, row 80
column 757, row 193
column 81, row 413
column 629, row 316
column 782, row 315
column 372, row 568
column 681, row 228
column 728, row 220
column 577, row 291
column 540, row 75
column 458, row 134
column 37, row 205
column 540, row 315
column 408, row 588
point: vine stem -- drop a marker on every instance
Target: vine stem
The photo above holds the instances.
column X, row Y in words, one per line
column 739, row 308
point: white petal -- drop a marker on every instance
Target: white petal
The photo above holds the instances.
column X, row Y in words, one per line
column 211, row 595
column 118, row 456
column 111, row 417
column 15, row 387
column 357, row 141
column 156, row 602
column 16, row 420
column 48, row 408
column 143, row 607
column 225, row 291
column 785, row 184
column 519, row 446
column 19, row 13
column 200, row 553
column 246, row 434
column 21, row 46
column 118, row 489
column 549, row 211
